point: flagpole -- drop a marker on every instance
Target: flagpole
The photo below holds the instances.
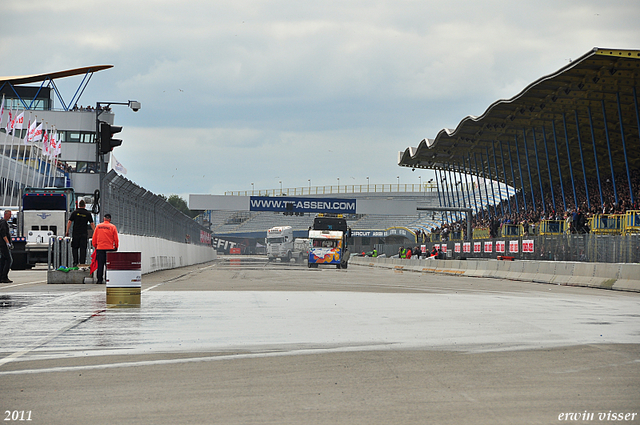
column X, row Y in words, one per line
column 15, row 171
column 25, row 142
column 8, row 129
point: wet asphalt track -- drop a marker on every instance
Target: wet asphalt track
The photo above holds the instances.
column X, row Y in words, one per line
column 254, row 342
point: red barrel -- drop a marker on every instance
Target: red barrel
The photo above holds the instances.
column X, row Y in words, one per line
column 124, row 277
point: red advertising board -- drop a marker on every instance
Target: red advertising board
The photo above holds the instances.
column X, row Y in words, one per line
column 513, row 247
column 527, row 246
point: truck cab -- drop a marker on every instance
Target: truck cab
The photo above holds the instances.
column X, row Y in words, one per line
column 280, row 243
column 43, row 214
column 328, row 242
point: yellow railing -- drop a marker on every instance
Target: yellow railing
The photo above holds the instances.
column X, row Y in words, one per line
column 512, row 230
column 553, row 227
column 608, row 224
column 632, row 222
column 481, row 233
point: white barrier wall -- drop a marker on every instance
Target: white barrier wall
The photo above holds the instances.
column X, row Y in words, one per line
column 624, row 277
column 161, row 254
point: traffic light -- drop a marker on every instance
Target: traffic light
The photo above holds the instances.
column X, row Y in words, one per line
column 107, row 142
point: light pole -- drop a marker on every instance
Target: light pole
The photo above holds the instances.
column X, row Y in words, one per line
column 252, row 188
column 280, row 187
column 398, row 177
column 367, row 184
column 101, row 167
column 338, row 184
column 309, row 180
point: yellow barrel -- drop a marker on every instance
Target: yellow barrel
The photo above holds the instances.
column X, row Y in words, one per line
column 123, row 297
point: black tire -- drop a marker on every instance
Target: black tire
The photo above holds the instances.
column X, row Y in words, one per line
column 344, row 265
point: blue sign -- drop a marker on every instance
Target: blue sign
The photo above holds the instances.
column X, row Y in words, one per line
column 302, row 205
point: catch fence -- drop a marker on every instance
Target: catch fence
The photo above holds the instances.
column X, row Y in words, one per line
column 136, row 211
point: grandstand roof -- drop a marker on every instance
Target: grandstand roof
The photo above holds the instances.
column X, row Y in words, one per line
column 36, row 78
column 576, row 98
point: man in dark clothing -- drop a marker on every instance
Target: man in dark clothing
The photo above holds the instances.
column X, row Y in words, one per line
column 6, row 244
column 80, row 219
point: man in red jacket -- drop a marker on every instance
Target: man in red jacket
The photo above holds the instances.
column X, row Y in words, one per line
column 105, row 238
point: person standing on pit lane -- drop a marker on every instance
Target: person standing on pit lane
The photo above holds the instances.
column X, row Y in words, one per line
column 80, row 219
column 6, row 245
column 105, row 238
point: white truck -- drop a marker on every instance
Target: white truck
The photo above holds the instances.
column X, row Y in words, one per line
column 43, row 214
column 281, row 244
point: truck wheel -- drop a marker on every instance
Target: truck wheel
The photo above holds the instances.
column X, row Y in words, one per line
column 344, row 265
column 288, row 256
column 338, row 266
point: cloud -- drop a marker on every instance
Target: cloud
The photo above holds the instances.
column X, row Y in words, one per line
column 241, row 92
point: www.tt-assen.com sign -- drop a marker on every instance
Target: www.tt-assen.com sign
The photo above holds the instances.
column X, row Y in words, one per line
column 304, row 205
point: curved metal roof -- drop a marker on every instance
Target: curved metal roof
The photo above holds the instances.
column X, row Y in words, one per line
column 575, row 100
column 36, row 78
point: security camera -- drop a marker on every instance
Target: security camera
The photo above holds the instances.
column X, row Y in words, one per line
column 413, row 169
column 134, row 105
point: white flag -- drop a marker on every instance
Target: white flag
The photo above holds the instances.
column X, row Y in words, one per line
column 115, row 164
column 17, row 122
column 45, row 142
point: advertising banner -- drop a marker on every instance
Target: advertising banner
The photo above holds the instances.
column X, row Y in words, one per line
column 527, row 246
column 513, row 247
column 302, row 205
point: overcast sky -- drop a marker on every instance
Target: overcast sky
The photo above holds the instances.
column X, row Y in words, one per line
column 250, row 91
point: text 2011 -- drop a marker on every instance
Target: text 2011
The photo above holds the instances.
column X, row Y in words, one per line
column 17, row 415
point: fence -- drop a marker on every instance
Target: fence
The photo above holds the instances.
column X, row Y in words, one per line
column 136, row 211
column 568, row 247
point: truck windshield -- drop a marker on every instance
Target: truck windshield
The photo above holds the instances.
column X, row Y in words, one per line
column 275, row 240
column 56, row 201
column 325, row 243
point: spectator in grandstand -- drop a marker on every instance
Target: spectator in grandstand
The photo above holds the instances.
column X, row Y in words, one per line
column 105, row 238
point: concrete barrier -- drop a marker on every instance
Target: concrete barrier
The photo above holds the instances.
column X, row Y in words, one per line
column 161, row 254
column 623, row 277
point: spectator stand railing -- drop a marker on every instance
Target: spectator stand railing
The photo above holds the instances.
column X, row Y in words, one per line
column 553, row 227
column 608, row 224
column 481, row 233
column 512, row 230
column 632, row 222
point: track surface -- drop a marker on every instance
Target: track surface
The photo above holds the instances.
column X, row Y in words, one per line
column 245, row 341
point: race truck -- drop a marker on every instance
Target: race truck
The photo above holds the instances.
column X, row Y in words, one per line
column 43, row 213
column 328, row 241
column 281, row 244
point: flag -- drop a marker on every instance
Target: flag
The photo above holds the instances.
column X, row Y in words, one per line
column 34, row 133
column 26, row 136
column 58, row 147
column 2, row 110
column 94, row 263
column 8, row 128
column 115, row 164
column 17, row 122
column 37, row 133
column 45, row 142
